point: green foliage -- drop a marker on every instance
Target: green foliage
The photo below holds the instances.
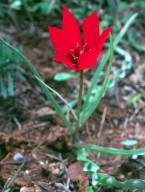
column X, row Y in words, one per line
column 2, row 12
column 31, row 6
column 129, row 142
column 102, row 179
column 90, row 189
column 89, row 109
column 10, row 70
column 62, row 76
column 132, row 101
column 45, row 6
column 56, row 93
column 92, row 95
column 111, row 151
column 81, row 9
column 104, row 60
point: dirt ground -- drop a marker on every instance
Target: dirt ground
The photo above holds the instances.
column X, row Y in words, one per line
column 28, row 119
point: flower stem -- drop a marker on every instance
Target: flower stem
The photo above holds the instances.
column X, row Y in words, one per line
column 78, row 107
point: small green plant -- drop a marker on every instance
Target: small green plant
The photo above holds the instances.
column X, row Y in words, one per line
column 10, row 70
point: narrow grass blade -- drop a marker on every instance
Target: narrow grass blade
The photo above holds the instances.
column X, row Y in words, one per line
column 85, row 114
column 45, row 90
column 125, row 28
column 56, row 93
column 111, row 151
column 105, row 59
column 10, row 85
column 14, row 177
column 3, row 89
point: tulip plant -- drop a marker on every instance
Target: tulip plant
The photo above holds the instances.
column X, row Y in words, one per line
column 80, row 51
column 78, row 55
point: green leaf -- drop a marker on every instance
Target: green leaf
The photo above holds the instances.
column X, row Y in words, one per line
column 45, row 90
column 91, row 167
column 111, row 151
column 127, row 57
column 134, row 99
column 122, row 5
column 63, row 76
column 129, row 142
column 10, row 85
column 65, row 108
column 2, row 12
column 119, row 74
column 20, row 76
column 131, row 184
column 124, row 29
column 16, row 4
column 90, row 189
column 3, row 88
column 56, row 93
column 43, row 6
column 82, row 155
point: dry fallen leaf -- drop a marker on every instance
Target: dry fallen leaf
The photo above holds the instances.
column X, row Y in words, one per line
column 76, row 173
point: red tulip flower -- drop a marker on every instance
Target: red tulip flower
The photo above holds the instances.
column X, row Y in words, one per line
column 76, row 52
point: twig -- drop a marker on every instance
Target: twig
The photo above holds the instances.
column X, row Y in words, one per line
column 12, row 162
column 60, row 185
column 17, row 123
column 43, row 187
column 102, row 122
column 44, row 124
column 136, row 111
column 88, row 132
column 63, row 163
column 126, row 121
column 65, row 187
column 53, row 157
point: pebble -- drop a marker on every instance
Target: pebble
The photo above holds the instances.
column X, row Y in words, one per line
column 27, row 189
column 18, row 157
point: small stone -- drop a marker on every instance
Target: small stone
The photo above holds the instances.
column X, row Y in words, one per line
column 45, row 114
column 127, row 90
column 37, row 188
column 56, row 171
column 18, row 157
column 27, row 189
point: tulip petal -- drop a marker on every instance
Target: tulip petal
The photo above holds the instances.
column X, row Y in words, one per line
column 88, row 59
column 91, row 30
column 71, row 30
column 103, row 38
column 56, row 36
column 65, row 61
